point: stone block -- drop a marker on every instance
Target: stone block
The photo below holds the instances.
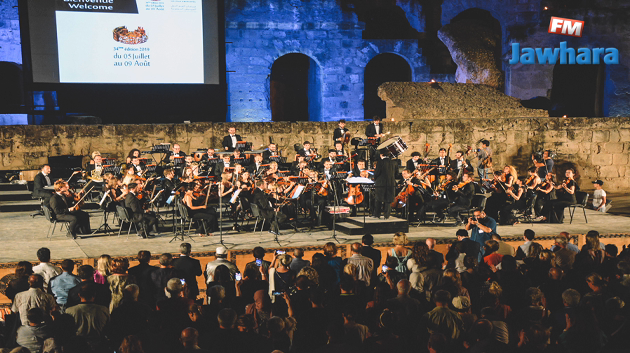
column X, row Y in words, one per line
column 620, row 159
column 602, row 159
column 609, row 171
column 613, row 147
column 601, row 136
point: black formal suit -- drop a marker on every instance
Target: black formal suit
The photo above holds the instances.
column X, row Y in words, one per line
column 463, row 201
column 266, row 210
column 384, row 185
column 375, row 255
column 453, row 166
column 218, row 170
column 79, row 220
column 38, row 187
column 191, row 268
column 142, row 273
column 370, row 130
column 339, row 134
column 138, row 216
column 320, row 167
column 410, row 165
column 437, row 163
column 227, row 142
column 253, row 168
column 267, row 153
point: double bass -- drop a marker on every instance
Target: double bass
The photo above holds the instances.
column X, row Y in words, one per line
column 403, row 196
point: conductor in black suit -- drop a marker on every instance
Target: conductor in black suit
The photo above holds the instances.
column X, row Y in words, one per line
column 190, row 268
column 65, row 210
column 41, row 180
column 229, row 141
column 384, row 184
column 340, row 132
column 144, row 220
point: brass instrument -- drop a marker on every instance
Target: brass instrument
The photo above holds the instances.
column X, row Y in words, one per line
column 96, row 175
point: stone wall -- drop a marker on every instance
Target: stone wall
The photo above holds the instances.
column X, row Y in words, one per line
column 10, row 49
column 597, row 147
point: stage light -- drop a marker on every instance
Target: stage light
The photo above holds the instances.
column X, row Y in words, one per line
column 564, row 116
column 545, row 8
column 392, row 119
column 432, row 81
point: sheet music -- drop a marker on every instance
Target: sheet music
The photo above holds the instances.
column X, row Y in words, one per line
column 235, row 195
column 170, row 199
column 103, row 199
column 298, row 191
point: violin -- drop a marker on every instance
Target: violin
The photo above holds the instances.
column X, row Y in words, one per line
column 323, row 189
column 461, row 185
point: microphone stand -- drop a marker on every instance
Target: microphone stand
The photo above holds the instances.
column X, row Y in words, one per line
column 334, row 214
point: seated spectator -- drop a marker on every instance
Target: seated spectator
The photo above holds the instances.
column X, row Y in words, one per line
column 130, row 317
column 118, row 280
column 33, row 335
column 491, row 257
column 90, row 319
column 523, row 250
column 34, row 297
column 504, row 248
column 442, row 319
column 190, row 341
column 298, row 263
column 86, row 274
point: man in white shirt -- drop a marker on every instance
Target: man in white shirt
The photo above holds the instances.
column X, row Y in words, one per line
column 45, row 269
column 364, row 264
column 600, row 202
column 229, row 141
column 221, row 255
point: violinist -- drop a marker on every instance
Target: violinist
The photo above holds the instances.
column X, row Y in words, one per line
column 340, row 151
column 464, row 193
column 245, row 184
column 238, row 158
column 169, row 184
column 256, row 167
column 115, row 194
column 340, row 131
column 332, row 158
column 531, row 184
column 261, row 199
column 311, row 198
column 62, row 203
column 460, row 164
column 188, row 176
column 308, row 152
column 553, row 211
column 209, row 155
column 414, row 161
column 272, row 172
column 545, row 192
column 517, row 194
column 138, row 166
column 411, row 195
column 296, row 170
column 443, row 199
column 130, row 175
column 271, row 151
column 143, row 219
column 205, row 216
column 503, row 181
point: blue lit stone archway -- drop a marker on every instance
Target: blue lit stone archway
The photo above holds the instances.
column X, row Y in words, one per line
column 295, row 89
column 386, row 67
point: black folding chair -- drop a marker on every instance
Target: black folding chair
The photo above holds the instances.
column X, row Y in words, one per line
column 582, row 202
column 256, row 213
column 124, row 217
column 50, row 215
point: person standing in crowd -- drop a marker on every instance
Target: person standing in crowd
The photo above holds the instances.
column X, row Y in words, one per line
column 190, row 268
column 45, row 268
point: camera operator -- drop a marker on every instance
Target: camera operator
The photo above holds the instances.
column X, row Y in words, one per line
column 544, row 163
column 481, row 227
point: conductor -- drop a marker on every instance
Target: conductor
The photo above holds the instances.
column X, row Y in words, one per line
column 385, row 184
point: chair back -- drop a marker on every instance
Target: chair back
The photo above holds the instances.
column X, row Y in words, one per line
column 122, row 213
column 255, row 210
column 183, row 211
column 581, row 198
column 479, row 202
column 48, row 213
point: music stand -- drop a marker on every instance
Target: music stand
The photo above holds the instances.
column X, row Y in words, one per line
column 334, row 213
column 105, row 226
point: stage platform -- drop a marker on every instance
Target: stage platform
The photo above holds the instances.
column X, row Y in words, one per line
column 22, row 235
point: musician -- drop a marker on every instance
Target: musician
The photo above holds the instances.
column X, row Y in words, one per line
column 272, row 171
column 133, row 153
column 375, row 129
column 444, row 195
column 130, row 175
column 328, row 170
column 238, row 171
column 96, row 163
column 138, row 166
column 545, row 166
column 484, row 154
column 115, row 194
column 503, row 181
column 208, row 161
column 42, row 180
column 414, row 199
column 190, row 163
column 209, row 155
column 340, row 150
column 297, row 169
column 340, row 132
column 170, row 183
column 205, row 216
column 176, row 152
column 441, row 163
column 517, row 194
column 311, row 197
column 256, row 167
column 308, row 152
column 414, row 161
column 144, row 220
column 261, row 199
column 531, row 184
column 553, row 211
column 332, row 158
column 358, row 168
column 188, row 176
column 544, row 193
column 271, row 151
column 223, row 165
column 238, row 158
column 464, row 193
column 230, row 141
column 384, row 184
column 62, row 203
column 460, row 164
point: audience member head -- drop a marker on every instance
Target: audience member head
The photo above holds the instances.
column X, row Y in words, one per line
column 144, row 256
column 561, row 241
column 481, row 329
column 535, row 250
column 400, row 239
column 356, row 248
column 35, row 316
column 221, row 252
column 87, row 291
column 537, row 337
column 442, row 298
column 174, row 287
column 275, row 325
column 491, row 246
column 285, row 260
column 508, row 263
column 330, row 249
column 420, row 252
column 318, row 260
column 535, row 296
column 595, row 282
column 189, row 338
column 571, row 298
column 166, row 260
column 434, row 260
column 471, row 262
column 592, row 240
column 222, row 274
column 529, row 235
column 43, row 255
column 367, row 240
column 461, row 304
column 227, row 318
column 86, row 273
column 556, row 273
column 298, row 253
column 36, row 281
column 185, row 248
column 258, row 252
column 120, row 265
column 131, row 292
column 216, row 294
column 309, row 273
column 611, row 250
column 131, row 344
column 23, row 269
column 430, row 243
column 461, row 234
column 104, row 265
column 437, row 343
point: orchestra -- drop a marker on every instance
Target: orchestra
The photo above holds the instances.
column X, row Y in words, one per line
column 236, row 178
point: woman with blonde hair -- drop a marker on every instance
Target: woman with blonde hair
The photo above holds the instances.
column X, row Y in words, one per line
column 310, row 273
column 103, row 269
column 118, row 280
column 400, row 252
column 281, row 277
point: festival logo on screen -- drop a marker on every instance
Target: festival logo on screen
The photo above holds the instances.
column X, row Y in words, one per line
column 113, row 6
column 123, row 35
column 154, row 5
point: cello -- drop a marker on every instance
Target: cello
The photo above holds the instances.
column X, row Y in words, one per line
column 403, row 196
column 355, row 196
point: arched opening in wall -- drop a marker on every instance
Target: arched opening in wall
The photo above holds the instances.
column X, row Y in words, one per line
column 382, row 68
column 481, row 22
column 578, row 90
column 295, row 89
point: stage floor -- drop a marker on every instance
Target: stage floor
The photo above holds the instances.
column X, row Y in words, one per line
column 22, row 235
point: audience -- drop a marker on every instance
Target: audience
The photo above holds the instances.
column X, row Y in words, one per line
column 45, row 268
column 539, row 300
